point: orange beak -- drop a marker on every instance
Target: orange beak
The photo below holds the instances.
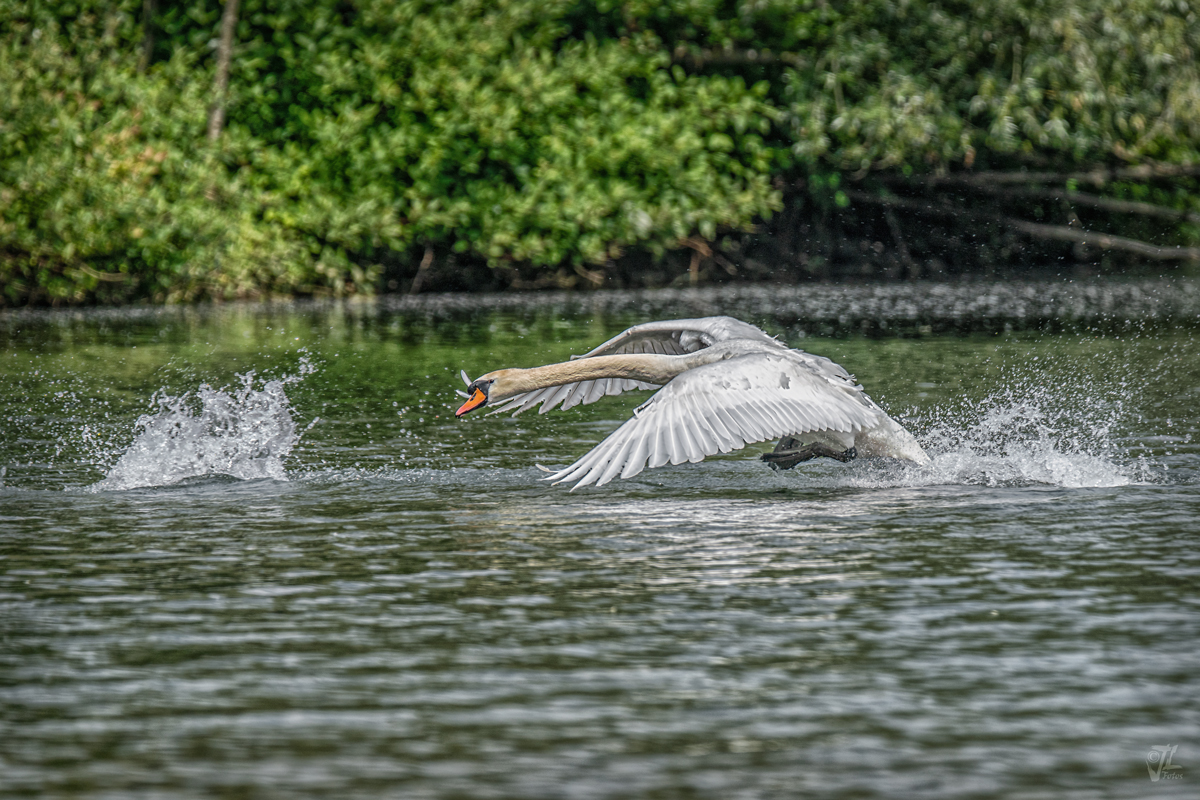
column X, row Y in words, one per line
column 476, row 399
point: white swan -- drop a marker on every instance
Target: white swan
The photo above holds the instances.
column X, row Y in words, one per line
column 724, row 384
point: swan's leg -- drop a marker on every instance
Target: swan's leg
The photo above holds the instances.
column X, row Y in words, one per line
column 789, row 452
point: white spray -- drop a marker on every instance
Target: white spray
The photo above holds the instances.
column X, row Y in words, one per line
column 241, row 431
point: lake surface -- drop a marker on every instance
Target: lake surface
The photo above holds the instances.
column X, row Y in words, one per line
column 300, row 576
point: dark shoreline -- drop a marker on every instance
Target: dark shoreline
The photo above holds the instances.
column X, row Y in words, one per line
column 883, row 309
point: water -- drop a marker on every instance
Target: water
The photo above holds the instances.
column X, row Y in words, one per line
column 251, row 553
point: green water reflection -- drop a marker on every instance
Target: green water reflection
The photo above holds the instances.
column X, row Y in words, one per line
column 413, row 613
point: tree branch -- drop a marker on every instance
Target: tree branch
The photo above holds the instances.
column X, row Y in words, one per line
column 148, row 14
column 1104, row 241
column 1102, row 203
column 1061, row 233
column 422, row 271
column 1096, row 177
column 894, row 226
column 216, row 115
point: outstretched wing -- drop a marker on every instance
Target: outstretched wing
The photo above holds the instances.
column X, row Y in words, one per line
column 673, row 337
column 723, row 406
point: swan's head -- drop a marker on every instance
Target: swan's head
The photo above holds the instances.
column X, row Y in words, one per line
column 477, row 395
column 499, row 385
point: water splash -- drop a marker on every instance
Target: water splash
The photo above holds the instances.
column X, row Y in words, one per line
column 241, row 431
column 1023, row 441
column 1066, row 434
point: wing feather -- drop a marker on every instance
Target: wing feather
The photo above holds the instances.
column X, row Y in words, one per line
column 641, row 452
column 661, row 452
column 722, row 425
column 687, row 437
column 680, row 336
column 721, row 407
column 591, row 393
column 703, row 435
column 669, row 337
column 744, row 424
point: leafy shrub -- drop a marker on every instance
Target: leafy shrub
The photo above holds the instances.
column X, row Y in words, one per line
column 534, row 134
column 468, row 124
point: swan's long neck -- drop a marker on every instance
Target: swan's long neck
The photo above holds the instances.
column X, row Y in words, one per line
column 649, row 368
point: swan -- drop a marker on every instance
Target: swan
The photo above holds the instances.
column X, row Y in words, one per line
column 722, row 384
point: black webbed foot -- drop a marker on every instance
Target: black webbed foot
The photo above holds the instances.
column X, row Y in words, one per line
column 786, row 457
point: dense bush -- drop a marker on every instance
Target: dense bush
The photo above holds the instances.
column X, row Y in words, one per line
column 538, row 134
column 886, row 83
column 108, row 189
column 475, row 125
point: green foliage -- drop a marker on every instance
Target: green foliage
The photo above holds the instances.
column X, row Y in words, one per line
column 531, row 133
column 883, row 83
column 108, row 189
column 928, row 83
column 471, row 124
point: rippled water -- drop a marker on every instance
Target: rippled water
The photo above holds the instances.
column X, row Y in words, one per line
column 251, row 553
